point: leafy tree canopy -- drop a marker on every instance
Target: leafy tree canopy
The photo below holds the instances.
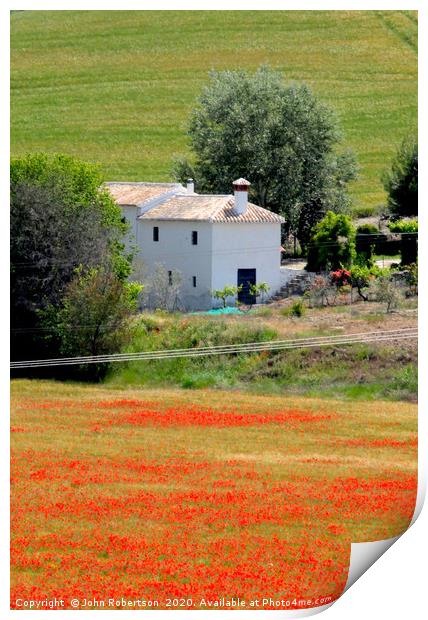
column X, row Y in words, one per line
column 77, row 184
column 60, row 219
column 401, row 182
column 282, row 138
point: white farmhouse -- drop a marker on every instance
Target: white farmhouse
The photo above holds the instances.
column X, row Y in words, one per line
column 213, row 240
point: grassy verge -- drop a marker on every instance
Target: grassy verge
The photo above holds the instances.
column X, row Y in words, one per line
column 363, row 371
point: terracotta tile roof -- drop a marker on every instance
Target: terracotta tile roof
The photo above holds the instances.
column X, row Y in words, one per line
column 208, row 208
column 134, row 194
column 253, row 213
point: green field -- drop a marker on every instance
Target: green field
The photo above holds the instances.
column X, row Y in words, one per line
column 116, row 87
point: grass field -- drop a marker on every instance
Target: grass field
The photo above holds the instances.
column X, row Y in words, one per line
column 168, row 494
column 116, row 87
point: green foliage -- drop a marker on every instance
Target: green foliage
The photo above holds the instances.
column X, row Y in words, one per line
column 362, row 275
column 404, row 226
column 364, row 211
column 365, row 243
column 226, row 292
column 401, row 182
column 77, row 182
column 370, row 241
column 294, row 170
column 409, row 239
column 332, row 245
column 259, row 290
column 367, row 229
column 78, row 185
column 60, row 219
column 263, row 311
column 182, row 169
column 355, row 371
column 94, row 317
column 297, row 308
column 405, row 382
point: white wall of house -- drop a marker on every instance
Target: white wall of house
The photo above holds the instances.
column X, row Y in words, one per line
column 246, row 246
column 175, row 251
column 222, row 249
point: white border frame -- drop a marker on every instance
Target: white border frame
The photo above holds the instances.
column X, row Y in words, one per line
column 395, row 586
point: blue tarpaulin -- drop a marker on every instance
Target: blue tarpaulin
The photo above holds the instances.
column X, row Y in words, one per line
column 228, row 310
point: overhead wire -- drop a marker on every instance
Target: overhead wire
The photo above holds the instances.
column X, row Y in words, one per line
column 274, row 345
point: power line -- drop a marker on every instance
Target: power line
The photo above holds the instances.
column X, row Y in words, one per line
column 260, row 348
column 274, row 345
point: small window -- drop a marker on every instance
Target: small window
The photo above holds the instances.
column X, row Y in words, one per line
column 194, row 237
column 194, row 281
column 170, row 278
column 155, row 233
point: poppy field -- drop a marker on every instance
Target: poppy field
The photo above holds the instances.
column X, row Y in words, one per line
column 197, row 499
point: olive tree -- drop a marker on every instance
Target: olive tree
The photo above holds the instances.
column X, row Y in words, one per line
column 281, row 137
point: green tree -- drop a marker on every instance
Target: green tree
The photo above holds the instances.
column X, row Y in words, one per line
column 93, row 317
column 282, row 138
column 401, row 181
column 332, row 245
column 60, row 219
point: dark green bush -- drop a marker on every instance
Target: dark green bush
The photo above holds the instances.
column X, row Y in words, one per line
column 365, row 242
column 297, row 308
column 409, row 239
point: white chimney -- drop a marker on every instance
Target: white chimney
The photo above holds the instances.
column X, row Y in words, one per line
column 240, row 189
column 190, row 186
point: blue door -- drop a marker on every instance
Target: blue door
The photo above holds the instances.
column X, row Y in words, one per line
column 246, row 277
